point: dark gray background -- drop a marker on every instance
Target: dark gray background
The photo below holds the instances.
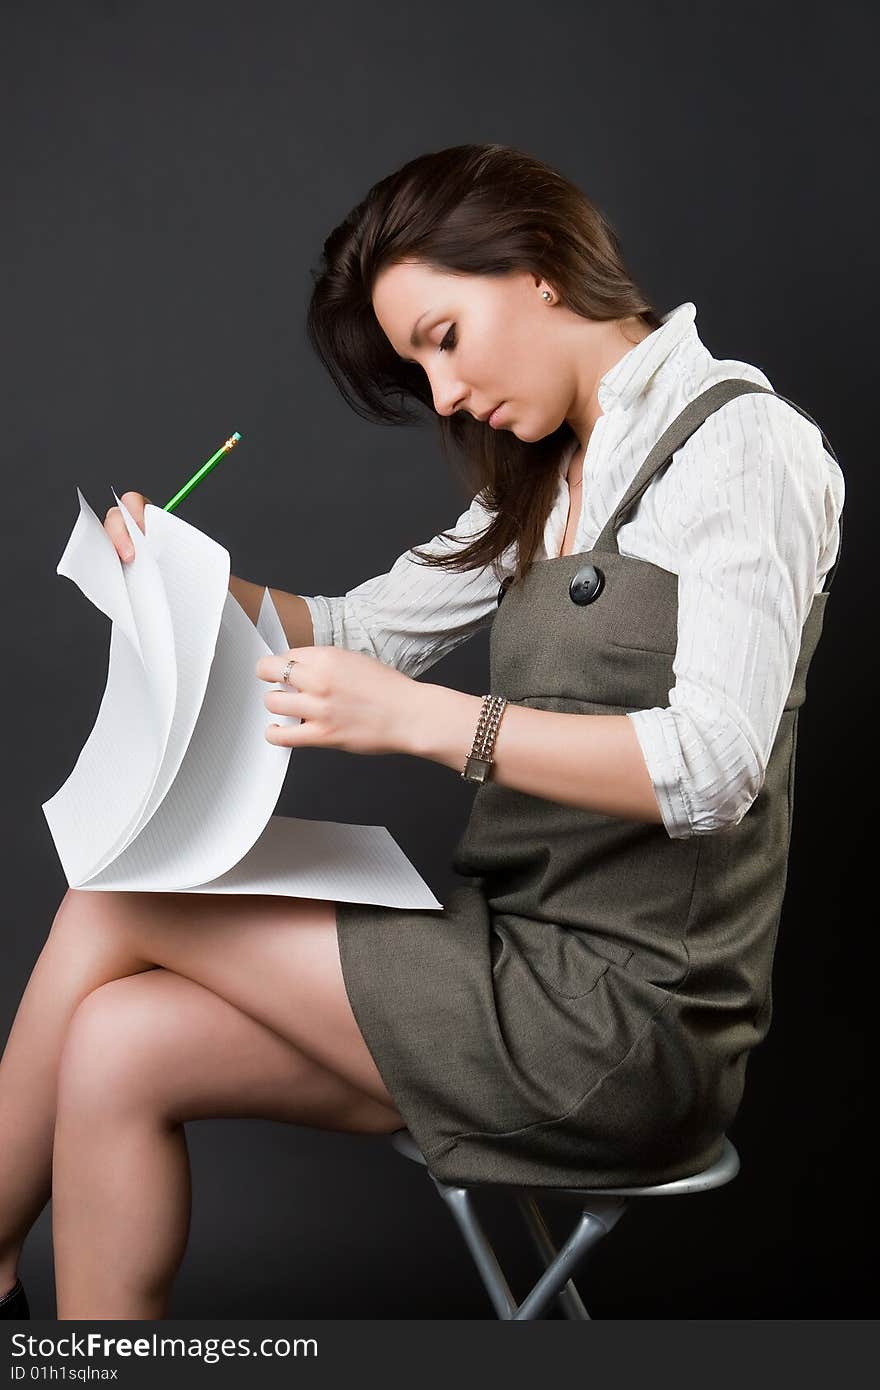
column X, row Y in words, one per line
column 169, row 174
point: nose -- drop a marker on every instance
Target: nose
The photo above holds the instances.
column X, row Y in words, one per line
column 448, row 397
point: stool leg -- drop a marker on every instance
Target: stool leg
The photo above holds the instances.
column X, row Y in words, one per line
column 587, row 1233
column 569, row 1299
column 459, row 1202
column 591, row 1228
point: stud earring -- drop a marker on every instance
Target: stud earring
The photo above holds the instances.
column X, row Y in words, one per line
column 545, row 294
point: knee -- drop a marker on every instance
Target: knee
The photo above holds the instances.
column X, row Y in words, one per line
column 83, row 909
column 109, row 1059
column 96, row 905
column 89, row 921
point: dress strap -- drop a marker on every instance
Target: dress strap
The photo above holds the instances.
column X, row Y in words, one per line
column 695, row 413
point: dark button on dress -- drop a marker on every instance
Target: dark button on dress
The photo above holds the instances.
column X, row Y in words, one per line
column 582, row 1009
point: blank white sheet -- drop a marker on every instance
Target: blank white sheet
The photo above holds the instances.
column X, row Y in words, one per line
column 175, row 787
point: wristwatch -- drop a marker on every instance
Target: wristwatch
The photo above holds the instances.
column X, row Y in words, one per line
column 480, row 760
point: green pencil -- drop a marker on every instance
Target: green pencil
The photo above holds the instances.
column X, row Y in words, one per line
column 205, row 468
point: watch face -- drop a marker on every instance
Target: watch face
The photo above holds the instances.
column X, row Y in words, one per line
column 477, row 769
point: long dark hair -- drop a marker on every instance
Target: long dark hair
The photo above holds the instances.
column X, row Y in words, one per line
column 480, row 210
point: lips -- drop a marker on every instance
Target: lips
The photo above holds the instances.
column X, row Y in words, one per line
column 492, row 417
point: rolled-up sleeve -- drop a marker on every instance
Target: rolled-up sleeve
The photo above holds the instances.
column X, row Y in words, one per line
column 756, row 529
column 415, row 614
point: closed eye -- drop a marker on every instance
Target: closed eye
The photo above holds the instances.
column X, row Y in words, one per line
column 449, row 342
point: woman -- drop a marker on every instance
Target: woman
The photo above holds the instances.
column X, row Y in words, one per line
column 582, row 1009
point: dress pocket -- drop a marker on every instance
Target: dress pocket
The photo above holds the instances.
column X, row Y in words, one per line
column 564, row 958
column 646, row 616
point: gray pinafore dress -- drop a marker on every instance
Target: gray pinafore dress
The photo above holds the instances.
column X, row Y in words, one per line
column 581, row 1011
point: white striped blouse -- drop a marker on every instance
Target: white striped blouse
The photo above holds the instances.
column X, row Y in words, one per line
column 746, row 515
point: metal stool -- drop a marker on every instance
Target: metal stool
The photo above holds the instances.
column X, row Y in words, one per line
column 601, row 1209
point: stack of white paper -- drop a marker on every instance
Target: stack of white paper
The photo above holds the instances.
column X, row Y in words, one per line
column 175, row 786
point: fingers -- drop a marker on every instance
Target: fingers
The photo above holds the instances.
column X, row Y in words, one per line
column 114, row 523
column 271, row 668
column 293, row 702
column 298, row 707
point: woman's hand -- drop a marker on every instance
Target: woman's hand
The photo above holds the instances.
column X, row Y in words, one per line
column 114, row 523
column 346, row 699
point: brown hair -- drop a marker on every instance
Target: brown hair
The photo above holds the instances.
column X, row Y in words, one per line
column 479, row 210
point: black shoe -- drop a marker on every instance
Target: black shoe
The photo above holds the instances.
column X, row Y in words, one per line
column 14, row 1304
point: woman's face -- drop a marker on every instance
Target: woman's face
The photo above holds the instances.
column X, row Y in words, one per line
column 482, row 340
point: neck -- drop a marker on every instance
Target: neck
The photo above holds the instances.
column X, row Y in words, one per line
column 600, row 347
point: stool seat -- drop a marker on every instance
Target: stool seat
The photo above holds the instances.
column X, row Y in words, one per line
column 601, row 1209
column 725, row 1167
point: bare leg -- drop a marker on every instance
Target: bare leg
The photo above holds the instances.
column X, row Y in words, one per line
column 276, row 959
column 70, row 966
column 143, row 1055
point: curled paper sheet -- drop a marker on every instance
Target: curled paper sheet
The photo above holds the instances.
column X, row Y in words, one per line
column 175, row 786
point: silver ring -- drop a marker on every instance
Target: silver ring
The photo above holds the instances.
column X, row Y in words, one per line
column 285, row 674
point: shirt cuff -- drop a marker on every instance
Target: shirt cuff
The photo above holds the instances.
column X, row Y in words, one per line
column 322, row 621
column 663, row 758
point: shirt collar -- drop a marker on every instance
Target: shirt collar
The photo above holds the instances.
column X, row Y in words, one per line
column 623, row 382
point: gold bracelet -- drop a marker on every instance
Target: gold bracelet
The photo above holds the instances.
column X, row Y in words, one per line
column 480, row 760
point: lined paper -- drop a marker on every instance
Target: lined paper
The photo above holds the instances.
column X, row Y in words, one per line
column 176, row 784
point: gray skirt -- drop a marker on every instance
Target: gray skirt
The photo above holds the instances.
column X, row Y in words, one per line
column 514, row 1051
